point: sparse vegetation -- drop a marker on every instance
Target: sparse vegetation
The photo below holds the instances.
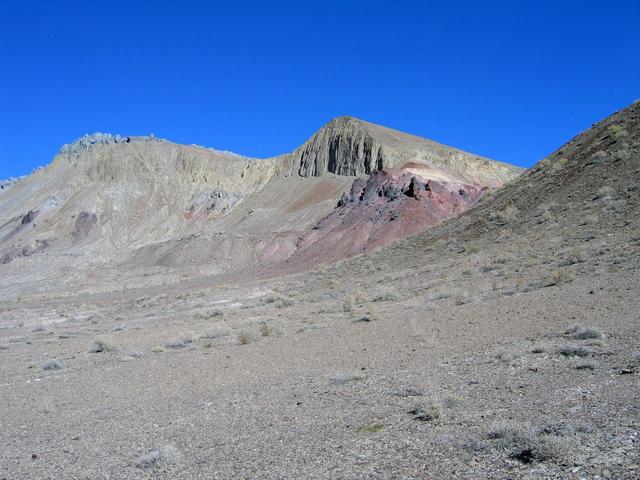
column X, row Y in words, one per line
column 179, row 342
column 100, row 345
column 340, row 378
column 245, row 337
column 52, row 364
column 559, row 277
column 162, row 457
column 604, row 192
column 427, row 412
column 525, row 444
column 579, row 332
column 570, row 350
column 587, row 365
column 209, row 314
column 374, row 428
column 574, row 256
column 265, row 330
column 507, row 215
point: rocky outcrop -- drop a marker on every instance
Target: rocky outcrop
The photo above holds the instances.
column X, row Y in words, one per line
column 388, row 205
column 348, row 146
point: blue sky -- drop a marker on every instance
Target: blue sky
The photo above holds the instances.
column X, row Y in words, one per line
column 510, row 80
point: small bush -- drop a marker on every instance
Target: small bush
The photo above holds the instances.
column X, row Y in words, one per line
column 265, row 330
column 340, row 378
column 524, row 444
column 616, row 206
column 101, row 345
column 559, row 277
column 52, row 364
column 179, row 342
column 570, row 350
column 604, row 192
column 507, row 215
column 208, row 315
column 429, row 412
column 375, row 428
column 162, row 457
column 574, row 256
column 245, row 337
column 585, row 333
column 587, row 365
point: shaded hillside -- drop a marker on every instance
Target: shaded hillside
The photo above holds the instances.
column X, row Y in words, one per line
column 575, row 212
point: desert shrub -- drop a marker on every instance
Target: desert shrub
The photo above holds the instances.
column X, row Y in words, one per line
column 386, row 297
column 525, row 444
column 616, row 131
column 507, row 215
column 574, row 256
column 101, row 345
column 604, row 192
column 587, row 365
column 179, row 342
column 374, row 428
column 161, row 457
column 616, row 206
column 588, row 220
column 265, row 330
column 409, row 392
column 583, row 333
column 559, row 277
column 245, row 337
column 209, row 314
column 427, row 412
column 598, row 157
column 621, row 155
column 570, row 350
column 442, row 294
column 340, row 378
column 52, row 364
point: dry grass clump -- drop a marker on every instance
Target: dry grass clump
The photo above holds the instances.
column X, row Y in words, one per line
column 580, row 332
column 507, row 215
column 604, row 192
column 570, row 350
column 340, row 378
column 614, row 205
column 265, row 330
column 587, row 365
column 209, row 314
column 100, row 345
column 374, row 428
column 161, row 457
column 245, row 337
column 279, row 301
column 559, row 277
column 386, row 297
column 442, row 294
column 52, row 364
column 574, row 256
column 179, row 342
column 427, row 412
column 525, row 444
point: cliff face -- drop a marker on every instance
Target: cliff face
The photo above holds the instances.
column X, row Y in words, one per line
column 348, row 146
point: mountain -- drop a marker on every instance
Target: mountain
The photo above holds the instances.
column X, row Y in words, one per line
column 143, row 202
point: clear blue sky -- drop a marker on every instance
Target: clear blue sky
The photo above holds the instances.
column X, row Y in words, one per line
column 510, row 80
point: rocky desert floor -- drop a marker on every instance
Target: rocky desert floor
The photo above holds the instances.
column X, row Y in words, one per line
column 475, row 366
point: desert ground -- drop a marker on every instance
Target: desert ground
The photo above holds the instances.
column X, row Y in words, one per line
column 501, row 342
